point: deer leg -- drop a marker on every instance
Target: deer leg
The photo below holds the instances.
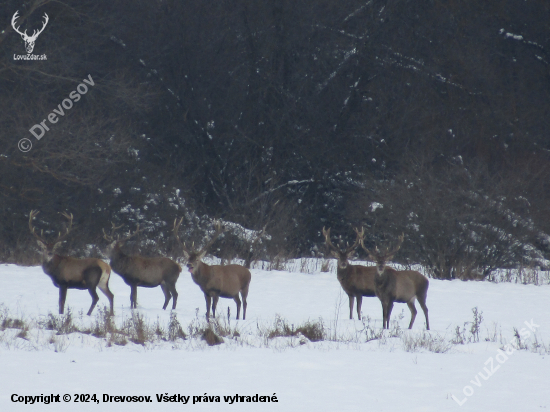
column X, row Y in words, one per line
column 62, row 297
column 214, row 304
column 351, row 297
column 425, row 309
column 133, row 297
column 208, row 304
column 92, row 277
column 172, row 289
column 384, row 315
column 412, row 308
column 95, row 299
column 388, row 313
column 103, row 285
column 244, row 295
column 105, row 289
column 359, row 304
column 238, row 302
column 167, row 295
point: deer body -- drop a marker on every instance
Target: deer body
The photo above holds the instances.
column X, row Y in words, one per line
column 357, row 281
column 404, row 286
column 146, row 272
column 73, row 273
column 218, row 281
column 226, row 281
column 84, row 274
column 64, row 270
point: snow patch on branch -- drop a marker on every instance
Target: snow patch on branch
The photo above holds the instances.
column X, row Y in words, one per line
column 289, row 183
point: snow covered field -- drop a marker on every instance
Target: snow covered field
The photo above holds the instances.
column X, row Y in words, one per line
column 342, row 373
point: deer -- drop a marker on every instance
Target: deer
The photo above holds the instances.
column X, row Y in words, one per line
column 215, row 281
column 70, row 272
column 357, row 281
column 148, row 272
column 29, row 40
column 404, row 286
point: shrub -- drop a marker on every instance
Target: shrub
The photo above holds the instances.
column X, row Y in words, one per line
column 211, row 337
column 138, row 330
column 62, row 324
column 104, row 324
column 314, row 331
column 436, row 344
column 175, row 330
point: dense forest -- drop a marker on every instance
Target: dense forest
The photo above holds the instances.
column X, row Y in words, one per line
column 424, row 117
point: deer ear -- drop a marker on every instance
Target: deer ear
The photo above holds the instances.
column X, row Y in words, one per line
column 41, row 244
column 200, row 256
column 186, row 254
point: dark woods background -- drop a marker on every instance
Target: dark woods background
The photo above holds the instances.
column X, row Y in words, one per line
column 424, row 117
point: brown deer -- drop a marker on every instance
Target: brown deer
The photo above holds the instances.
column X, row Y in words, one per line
column 216, row 281
column 402, row 286
column 72, row 273
column 357, row 281
column 148, row 272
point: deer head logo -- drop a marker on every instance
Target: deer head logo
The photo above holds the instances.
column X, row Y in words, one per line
column 29, row 40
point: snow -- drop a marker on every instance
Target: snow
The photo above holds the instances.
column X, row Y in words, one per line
column 514, row 36
column 349, row 374
column 375, row 205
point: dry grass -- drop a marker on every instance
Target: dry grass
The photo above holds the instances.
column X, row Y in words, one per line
column 211, row 337
column 56, row 332
column 313, row 331
column 425, row 340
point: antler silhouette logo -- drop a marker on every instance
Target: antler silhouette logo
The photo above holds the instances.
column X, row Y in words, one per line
column 29, row 40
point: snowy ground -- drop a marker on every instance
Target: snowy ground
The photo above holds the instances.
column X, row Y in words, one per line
column 348, row 374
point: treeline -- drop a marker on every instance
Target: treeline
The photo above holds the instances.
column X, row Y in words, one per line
column 424, row 117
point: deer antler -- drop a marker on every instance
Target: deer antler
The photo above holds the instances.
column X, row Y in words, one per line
column 387, row 254
column 131, row 235
column 118, row 239
column 32, row 215
column 358, row 239
column 60, row 236
column 326, row 234
column 111, row 237
column 219, row 231
column 360, row 236
column 390, row 253
column 176, row 230
column 202, row 252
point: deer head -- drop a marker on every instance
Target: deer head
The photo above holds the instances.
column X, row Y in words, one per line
column 193, row 255
column 29, row 40
column 49, row 248
column 381, row 257
column 343, row 254
column 115, row 240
